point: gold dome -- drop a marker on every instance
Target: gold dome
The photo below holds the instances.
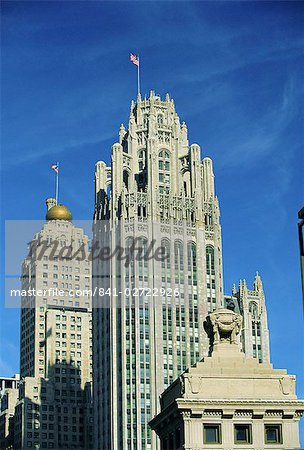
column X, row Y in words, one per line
column 59, row 212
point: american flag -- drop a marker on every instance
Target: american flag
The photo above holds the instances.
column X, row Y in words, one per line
column 134, row 59
column 55, row 167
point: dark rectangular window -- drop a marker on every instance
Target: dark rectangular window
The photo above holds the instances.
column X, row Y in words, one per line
column 177, row 437
column 242, row 434
column 212, row 434
column 171, row 441
column 273, row 434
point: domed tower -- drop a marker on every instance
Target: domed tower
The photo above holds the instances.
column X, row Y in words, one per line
column 56, row 330
column 57, row 212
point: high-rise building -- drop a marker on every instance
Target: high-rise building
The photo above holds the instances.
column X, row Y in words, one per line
column 156, row 190
column 54, row 406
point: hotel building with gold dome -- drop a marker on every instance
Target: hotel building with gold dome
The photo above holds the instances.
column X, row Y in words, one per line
column 53, row 406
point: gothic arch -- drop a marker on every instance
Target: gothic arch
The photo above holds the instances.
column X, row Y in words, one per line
column 160, row 119
column 254, row 310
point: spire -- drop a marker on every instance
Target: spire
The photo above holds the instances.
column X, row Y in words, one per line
column 184, row 127
column 242, row 286
column 122, row 132
column 257, row 284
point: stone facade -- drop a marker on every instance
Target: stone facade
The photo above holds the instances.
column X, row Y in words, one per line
column 9, row 397
column 9, row 383
column 228, row 400
column 156, row 188
column 250, row 303
column 51, row 274
column 54, row 408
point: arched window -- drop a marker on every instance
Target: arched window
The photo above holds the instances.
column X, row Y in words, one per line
column 256, row 331
column 160, row 120
column 166, row 262
column 191, row 254
column 141, row 159
column 179, row 262
column 129, row 270
column 164, row 171
column 210, row 278
column 187, row 184
column 210, row 260
column 141, row 249
column 253, row 309
column 208, row 219
column 125, row 178
column 165, row 244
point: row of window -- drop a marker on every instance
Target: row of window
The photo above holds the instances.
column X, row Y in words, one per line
column 242, row 434
column 64, row 268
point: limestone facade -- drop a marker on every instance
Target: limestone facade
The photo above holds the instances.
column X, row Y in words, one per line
column 229, row 401
column 157, row 187
column 54, row 407
column 250, row 303
column 9, row 398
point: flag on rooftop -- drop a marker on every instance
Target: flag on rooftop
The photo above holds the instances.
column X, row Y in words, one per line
column 55, row 167
column 134, row 59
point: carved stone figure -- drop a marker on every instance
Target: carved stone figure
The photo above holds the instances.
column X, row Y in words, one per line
column 226, row 326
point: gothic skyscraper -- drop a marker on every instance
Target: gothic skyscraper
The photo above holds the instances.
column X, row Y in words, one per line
column 157, row 189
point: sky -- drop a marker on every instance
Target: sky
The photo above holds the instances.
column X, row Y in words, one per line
column 235, row 72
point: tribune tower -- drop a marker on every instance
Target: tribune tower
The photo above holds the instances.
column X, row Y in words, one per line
column 157, row 188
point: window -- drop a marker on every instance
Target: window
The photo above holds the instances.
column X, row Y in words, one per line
column 253, row 309
column 210, row 260
column 242, row 434
column 141, row 160
column 171, row 441
column 164, row 171
column 273, row 434
column 160, row 120
column 177, row 437
column 212, row 434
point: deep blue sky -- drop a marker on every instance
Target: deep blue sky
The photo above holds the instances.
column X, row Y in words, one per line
column 235, row 71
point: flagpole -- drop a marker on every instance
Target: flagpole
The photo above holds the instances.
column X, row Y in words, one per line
column 57, row 183
column 138, row 81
